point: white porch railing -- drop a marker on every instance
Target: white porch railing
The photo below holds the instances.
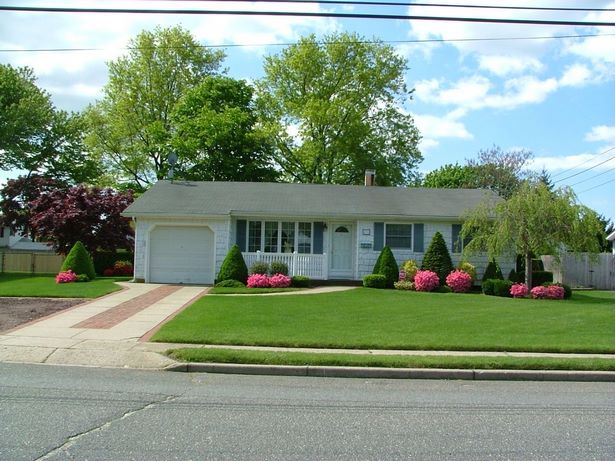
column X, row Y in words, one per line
column 313, row 266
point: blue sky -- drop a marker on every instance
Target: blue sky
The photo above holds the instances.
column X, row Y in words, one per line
column 552, row 96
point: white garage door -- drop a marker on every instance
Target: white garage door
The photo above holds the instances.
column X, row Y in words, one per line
column 181, row 255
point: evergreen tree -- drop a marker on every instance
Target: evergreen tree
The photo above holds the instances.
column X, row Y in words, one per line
column 79, row 261
column 387, row 266
column 437, row 258
column 233, row 267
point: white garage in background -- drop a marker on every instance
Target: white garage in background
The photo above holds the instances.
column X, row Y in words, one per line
column 181, row 254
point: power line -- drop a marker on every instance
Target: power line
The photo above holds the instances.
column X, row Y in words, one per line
column 38, row 9
column 581, row 164
column 593, row 177
column 599, row 185
column 587, row 169
column 385, row 3
column 238, row 45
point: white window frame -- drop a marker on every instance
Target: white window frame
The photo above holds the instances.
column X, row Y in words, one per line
column 386, row 224
column 279, row 239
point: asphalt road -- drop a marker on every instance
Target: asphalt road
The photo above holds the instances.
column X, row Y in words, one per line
column 63, row 413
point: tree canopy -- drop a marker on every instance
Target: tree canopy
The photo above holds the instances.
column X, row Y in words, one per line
column 130, row 129
column 218, row 137
column 335, row 108
column 534, row 220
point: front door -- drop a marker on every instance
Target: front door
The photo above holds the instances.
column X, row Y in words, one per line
column 341, row 251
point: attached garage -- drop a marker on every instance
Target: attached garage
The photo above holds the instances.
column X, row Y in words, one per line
column 181, row 254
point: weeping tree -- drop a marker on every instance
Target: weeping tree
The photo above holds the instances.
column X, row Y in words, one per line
column 534, row 220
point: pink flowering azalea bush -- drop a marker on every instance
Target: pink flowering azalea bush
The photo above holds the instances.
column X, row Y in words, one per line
column 426, row 281
column 519, row 290
column 258, row 281
column 548, row 292
column 66, row 277
column 279, row 281
column 459, row 281
column 539, row 292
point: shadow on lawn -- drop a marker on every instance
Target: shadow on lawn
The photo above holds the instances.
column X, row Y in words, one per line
column 589, row 297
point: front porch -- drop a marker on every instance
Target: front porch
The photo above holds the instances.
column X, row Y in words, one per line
column 313, row 266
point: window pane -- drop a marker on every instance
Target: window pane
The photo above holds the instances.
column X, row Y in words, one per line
column 254, row 236
column 288, row 237
column 304, row 239
column 271, row 237
column 399, row 235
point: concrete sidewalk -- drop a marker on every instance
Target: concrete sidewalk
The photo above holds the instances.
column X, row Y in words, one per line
column 104, row 332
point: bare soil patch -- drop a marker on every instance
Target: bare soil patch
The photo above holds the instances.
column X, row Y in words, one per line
column 17, row 311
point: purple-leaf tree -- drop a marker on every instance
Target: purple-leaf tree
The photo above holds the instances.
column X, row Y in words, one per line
column 89, row 214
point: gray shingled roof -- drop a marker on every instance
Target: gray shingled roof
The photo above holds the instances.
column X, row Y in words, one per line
column 183, row 199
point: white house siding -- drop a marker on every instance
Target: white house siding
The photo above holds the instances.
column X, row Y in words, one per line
column 366, row 258
column 144, row 225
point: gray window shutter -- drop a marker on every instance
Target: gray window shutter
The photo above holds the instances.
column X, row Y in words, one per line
column 240, row 235
column 456, row 243
column 318, row 237
column 378, row 236
column 419, row 239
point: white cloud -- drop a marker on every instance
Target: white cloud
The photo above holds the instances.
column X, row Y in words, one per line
column 506, row 65
column 576, row 75
column 601, row 133
column 570, row 162
column 432, row 127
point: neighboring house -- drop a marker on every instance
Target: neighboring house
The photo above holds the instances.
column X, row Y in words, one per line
column 185, row 229
column 611, row 238
column 16, row 242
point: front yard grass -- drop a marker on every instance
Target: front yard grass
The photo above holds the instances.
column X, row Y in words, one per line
column 387, row 319
column 216, row 355
column 44, row 286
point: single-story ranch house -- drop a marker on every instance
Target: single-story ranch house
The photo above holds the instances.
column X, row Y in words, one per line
column 329, row 232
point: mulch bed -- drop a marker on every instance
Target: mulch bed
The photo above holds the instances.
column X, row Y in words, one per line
column 17, row 311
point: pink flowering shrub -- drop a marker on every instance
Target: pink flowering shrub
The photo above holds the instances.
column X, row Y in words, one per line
column 279, row 281
column 66, row 277
column 519, row 290
column 258, row 281
column 459, row 281
column 539, row 292
column 555, row 292
column 426, row 281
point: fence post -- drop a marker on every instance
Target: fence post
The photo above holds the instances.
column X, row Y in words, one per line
column 3, row 260
column 32, row 263
column 293, row 264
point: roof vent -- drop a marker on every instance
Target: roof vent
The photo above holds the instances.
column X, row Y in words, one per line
column 370, row 177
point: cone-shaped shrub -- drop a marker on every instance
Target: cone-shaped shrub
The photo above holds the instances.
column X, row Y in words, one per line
column 493, row 271
column 233, row 267
column 437, row 258
column 387, row 266
column 79, row 261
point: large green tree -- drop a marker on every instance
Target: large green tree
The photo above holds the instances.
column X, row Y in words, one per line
column 218, row 137
column 534, row 220
column 130, row 128
column 451, row 176
column 335, row 108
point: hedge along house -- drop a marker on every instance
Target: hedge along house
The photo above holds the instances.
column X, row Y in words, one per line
column 328, row 232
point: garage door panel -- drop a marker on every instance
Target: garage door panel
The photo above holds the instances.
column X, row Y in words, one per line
column 181, row 255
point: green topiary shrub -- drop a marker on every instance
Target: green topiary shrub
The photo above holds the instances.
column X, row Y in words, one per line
column 230, row 284
column 376, row 269
column 437, row 258
column 233, row 267
column 487, row 287
column 375, row 281
column 79, row 261
column 502, row 288
column 259, row 267
column 82, row 278
column 493, row 271
column 300, row 281
column 513, row 277
column 541, row 277
column 388, row 267
column 278, row 267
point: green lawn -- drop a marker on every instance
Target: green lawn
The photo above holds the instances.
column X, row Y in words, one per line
column 248, row 291
column 389, row 319
column 44, row 286
column 389, row 361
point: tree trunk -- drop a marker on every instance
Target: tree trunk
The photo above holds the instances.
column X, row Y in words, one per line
column 528, row 270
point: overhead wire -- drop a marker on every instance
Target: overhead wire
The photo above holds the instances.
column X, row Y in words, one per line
column 587, row 169
column 581, row 164
column 596, row 187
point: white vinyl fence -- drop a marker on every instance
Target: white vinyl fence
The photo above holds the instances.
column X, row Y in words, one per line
column 313, row 266
column 581, row 271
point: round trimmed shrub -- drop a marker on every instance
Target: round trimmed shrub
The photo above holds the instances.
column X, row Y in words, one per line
column 567, row 289
column 278, row 267
column 459, row 281
column 230, row 284
column 487, row 287
column 437, row 258
column 519, row 290
column 233, row 267
column 375, row 281
column 259, row 267
column 404, row 285
column 388, row 267
column 258, row 281
column 300, row 281
column 426, row 281
column 279, row 281
column 79, row 261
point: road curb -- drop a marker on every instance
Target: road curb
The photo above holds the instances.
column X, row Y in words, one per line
column 393, row 373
